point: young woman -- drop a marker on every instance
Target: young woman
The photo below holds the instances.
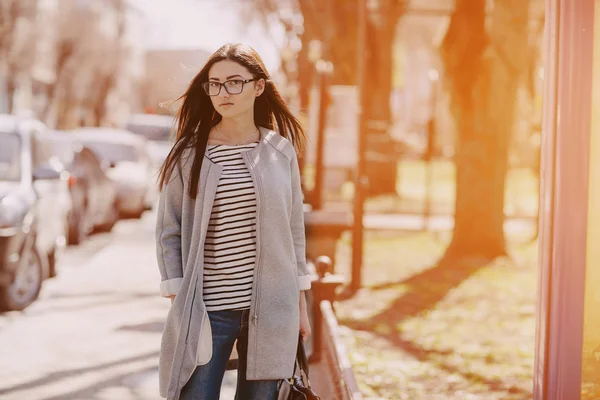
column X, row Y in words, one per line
column 230, row 234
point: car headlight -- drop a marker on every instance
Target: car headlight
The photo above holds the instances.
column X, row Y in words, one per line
column 12, row 211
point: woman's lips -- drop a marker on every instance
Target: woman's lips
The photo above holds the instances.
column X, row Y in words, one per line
column 226, row 104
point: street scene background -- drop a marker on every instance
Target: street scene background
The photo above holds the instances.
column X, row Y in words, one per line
column 436, row 285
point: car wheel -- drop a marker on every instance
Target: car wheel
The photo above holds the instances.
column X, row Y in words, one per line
column 26, row 286
column 114, row 217
column 138, row 214
column 77, row 231
column 110, row 222
column 52, row 263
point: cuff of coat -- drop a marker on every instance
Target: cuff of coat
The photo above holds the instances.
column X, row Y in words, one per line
column 170, row 287
column 304, row 282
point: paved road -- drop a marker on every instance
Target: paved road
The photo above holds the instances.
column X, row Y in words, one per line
column 95, row 332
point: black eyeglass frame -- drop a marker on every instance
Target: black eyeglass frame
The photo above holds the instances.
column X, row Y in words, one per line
column 206, row 86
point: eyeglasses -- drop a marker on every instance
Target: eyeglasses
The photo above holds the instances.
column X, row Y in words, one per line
column 234, row 86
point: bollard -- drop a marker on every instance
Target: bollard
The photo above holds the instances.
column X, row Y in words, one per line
column 324, row 266
column 323, row 288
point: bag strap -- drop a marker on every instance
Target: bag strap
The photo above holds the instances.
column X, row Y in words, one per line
column 301, row 358
column 302, row 362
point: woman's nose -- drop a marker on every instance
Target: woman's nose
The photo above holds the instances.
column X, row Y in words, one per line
column 224, row 94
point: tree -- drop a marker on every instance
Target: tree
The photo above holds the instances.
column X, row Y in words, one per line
column 382, row 159
column 327, row 23
column 109, row 80
column 17, row 43
column 483, row 68
column 88, row 63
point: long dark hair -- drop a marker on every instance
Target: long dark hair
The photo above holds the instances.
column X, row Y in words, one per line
column 197, row 116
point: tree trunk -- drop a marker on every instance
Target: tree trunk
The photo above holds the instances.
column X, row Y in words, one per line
column 64, row 52
column 100, row 104
column 381, row 158
column 305, row 77
column 328, row 23
column 483, row 71
column 11, row 88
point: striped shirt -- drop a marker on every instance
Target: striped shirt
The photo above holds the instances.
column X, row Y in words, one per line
column 230, row 247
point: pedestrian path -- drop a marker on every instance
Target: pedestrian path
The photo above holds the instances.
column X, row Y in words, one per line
column 341, row 214
column 95, row 331
column 436, row 223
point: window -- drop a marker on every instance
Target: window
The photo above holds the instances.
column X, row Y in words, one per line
column 10, row 157
column 115, row 152
column 40, row 153
column 91, row 164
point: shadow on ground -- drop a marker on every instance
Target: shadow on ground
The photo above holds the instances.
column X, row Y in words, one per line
column 90, row 391
column 54, row 377
column 148, row 327
column 425, row 290
column 101, row 299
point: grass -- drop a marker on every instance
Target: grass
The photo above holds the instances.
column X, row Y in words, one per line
column 418, row 331
column 422, row 331
column 412, row 189
column 590, row 389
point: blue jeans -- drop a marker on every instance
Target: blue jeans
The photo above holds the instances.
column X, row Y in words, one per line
column 205, row 382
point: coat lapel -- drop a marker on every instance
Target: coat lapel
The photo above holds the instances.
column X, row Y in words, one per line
column 209, row 178
column 210, row 191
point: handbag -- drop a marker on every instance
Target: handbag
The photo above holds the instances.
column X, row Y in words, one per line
column 297, row 387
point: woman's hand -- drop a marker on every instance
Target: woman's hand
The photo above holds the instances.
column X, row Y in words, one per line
column 305, row 330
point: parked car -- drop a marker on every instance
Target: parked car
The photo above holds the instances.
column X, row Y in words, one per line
column 157, row 130
column 34, row 205
column 130, row 166
column 93, row 194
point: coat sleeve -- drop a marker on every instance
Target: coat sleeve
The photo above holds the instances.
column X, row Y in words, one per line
column 168, row 234
column 297, row 225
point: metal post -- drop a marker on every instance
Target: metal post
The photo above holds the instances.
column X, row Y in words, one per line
column 428, row 174
column 317, row 201
column 322, row 289
column 360, row 182
column 569, row 83
column 429, row 152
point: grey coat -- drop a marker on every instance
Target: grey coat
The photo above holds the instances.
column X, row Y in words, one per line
column 279, row 275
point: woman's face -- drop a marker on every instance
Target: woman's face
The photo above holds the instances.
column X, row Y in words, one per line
column 235, row 103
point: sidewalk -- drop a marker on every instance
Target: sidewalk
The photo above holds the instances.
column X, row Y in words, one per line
column 342, row 217
column 436, row 223
column 95, row 331
column 321, row 387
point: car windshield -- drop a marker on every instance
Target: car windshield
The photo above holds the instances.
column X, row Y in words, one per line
column 155, row 133
column 10, row 157
column 63, row 149
column 114, row 152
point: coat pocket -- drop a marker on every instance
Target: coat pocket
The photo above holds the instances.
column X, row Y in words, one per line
column 204, row 352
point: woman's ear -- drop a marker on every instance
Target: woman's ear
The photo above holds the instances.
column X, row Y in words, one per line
column 260, row 87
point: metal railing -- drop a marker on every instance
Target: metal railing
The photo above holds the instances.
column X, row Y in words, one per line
column 334, row 357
